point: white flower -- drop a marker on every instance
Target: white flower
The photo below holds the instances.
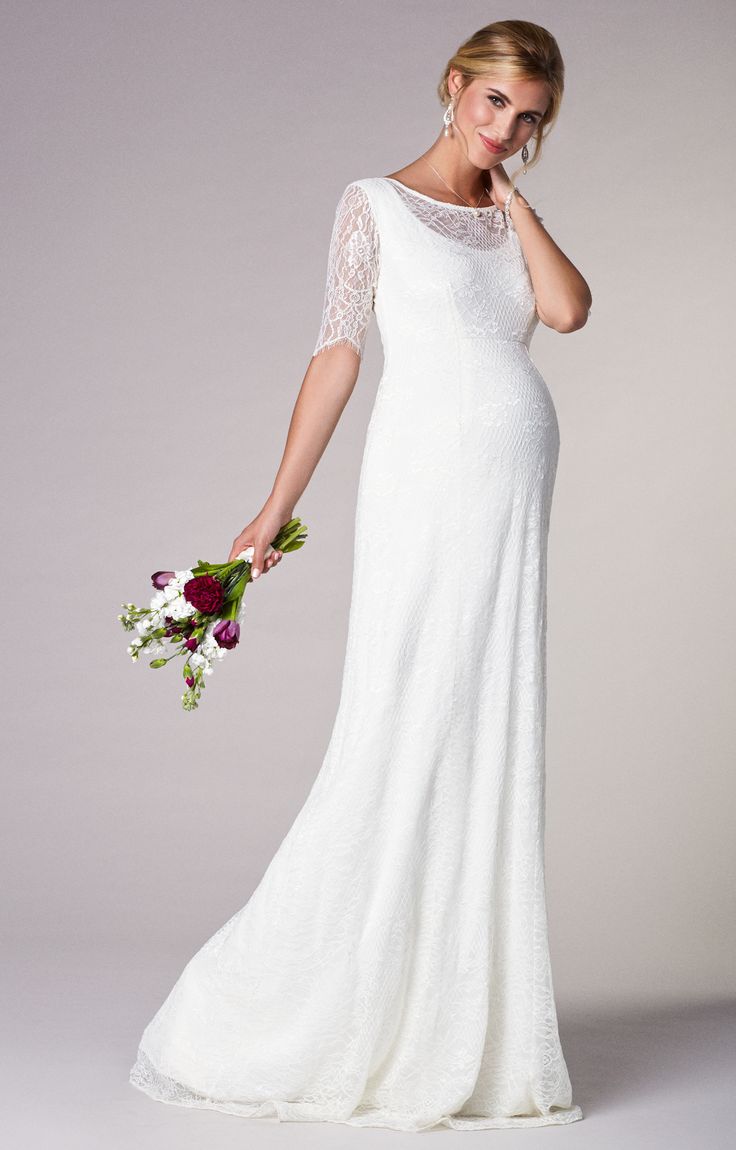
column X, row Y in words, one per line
column 197, row 660
column 211, row 648
column 180, row 608
column 158, row 601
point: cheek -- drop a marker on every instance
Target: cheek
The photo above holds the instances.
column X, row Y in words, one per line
column 482, row 111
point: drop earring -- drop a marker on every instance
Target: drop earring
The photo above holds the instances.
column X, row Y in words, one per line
column 524, row 156
column 449, row 117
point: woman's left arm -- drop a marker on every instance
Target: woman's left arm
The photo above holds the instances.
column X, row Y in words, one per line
column 563, row 297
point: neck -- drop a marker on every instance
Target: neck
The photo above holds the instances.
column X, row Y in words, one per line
column 465, row 179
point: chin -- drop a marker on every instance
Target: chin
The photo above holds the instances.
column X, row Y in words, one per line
column 485, row 159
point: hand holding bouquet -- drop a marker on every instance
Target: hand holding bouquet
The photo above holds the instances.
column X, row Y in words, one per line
column 198, row 612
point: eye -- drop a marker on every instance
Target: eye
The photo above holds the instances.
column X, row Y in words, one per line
column 529, row 117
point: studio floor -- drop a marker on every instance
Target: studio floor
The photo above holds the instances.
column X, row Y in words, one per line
column 658, row 1076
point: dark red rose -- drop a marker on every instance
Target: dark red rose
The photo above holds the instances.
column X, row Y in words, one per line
column 205, row 594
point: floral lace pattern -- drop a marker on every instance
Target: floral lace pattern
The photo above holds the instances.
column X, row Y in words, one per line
column 353, row 264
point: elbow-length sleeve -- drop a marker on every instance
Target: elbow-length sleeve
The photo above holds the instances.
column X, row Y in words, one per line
column 352, row 273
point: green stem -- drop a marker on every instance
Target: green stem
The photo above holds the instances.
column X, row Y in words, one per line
column 232, row 607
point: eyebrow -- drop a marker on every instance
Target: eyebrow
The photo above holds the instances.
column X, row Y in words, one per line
column 530, row 111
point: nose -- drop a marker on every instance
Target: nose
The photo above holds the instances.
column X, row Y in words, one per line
column 507, row 127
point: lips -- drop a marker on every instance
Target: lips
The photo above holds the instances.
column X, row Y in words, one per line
column 492, row 147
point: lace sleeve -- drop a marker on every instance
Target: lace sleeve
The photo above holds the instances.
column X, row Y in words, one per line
column 352, row 273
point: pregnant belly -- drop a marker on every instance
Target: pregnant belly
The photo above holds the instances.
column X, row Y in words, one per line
column 506, row 408
column 461, row 464
column 489, row 402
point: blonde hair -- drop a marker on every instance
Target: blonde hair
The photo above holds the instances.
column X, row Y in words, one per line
column 514, row 50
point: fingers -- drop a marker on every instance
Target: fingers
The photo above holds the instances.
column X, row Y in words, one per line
column 258, row 561
column 264, row 560
column 272, row 559
column 240, row 550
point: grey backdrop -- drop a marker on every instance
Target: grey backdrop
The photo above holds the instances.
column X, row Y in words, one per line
column 170, row 174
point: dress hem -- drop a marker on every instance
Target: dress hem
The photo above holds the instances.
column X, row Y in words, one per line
column 161, row 1088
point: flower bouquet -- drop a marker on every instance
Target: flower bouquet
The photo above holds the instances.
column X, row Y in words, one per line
column 198, row 612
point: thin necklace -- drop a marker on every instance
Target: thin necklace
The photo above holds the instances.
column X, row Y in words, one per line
column 476, row 208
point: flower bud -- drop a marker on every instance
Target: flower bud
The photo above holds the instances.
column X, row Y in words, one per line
column 160, row 579
column 227, row 634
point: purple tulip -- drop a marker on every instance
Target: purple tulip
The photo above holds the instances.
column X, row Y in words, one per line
column 227, row 634
column 161, row 578
column 189, row 681
column 191, row 644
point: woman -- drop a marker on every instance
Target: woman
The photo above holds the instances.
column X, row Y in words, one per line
column 392, row 967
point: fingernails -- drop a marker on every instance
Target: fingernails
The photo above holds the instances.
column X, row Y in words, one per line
column 255, row 572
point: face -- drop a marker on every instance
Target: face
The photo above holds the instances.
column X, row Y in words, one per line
column 491, row 110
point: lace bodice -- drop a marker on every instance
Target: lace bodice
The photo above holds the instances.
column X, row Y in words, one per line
column 354, row 257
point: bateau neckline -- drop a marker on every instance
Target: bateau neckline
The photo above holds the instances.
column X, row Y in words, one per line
column 441, row 203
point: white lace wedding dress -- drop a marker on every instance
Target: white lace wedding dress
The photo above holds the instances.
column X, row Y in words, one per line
column 392, row 966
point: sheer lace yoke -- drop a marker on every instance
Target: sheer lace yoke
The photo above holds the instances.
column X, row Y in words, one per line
column 354, row 257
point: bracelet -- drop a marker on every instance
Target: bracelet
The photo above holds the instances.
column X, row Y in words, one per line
column 507, row 204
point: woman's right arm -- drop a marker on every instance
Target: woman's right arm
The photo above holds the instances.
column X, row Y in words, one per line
column 326, row 388
column 352, row 276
